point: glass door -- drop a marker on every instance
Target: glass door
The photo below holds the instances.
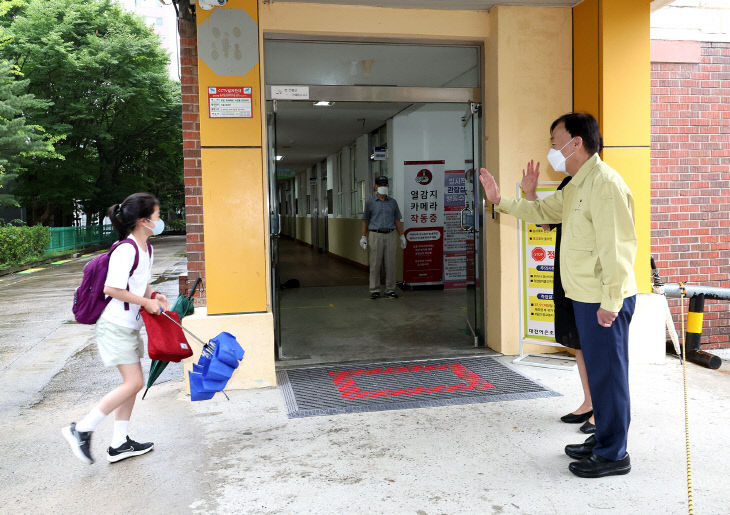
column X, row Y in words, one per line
column 471, row 222
column 274, row 228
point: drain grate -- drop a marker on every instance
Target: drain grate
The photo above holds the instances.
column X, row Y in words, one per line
column 339, row 389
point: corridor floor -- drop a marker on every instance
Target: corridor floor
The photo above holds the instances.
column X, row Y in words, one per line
column 331, row 318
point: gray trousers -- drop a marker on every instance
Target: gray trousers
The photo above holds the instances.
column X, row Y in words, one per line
column 382, row 251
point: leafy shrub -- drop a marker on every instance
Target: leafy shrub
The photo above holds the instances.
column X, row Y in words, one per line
column 175, row 226
column 20, row 244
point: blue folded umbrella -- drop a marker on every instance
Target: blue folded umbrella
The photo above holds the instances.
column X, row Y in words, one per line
column 227, row 349
column 197, row 391
column 218, row 360
column 218, row 371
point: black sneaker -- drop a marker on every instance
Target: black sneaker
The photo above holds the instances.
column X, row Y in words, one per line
column 80, row 442
column 391, row 294
column 127, row 450
column 375, row 295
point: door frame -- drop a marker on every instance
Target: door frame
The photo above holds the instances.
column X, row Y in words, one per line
column 384, row 94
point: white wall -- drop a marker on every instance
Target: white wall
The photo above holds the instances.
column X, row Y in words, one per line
column 430, row 132
column 693, row 20
column 426, row 132
column 346, row 174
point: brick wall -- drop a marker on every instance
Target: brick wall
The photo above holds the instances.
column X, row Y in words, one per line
column 690, row 174
column 191, row 153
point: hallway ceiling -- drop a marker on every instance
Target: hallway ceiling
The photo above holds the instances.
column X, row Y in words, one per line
column 291, row 62
column 306, row 134
column 451, row 5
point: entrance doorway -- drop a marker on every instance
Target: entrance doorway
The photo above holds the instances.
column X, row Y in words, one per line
column 327, row 144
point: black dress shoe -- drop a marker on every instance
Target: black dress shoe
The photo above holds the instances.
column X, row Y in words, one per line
column 375, row 295
column 588, row 428
column 572, row 418
column 595, row 466
column 581, row 450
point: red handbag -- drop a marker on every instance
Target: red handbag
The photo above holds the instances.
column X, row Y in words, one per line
column 165, row 339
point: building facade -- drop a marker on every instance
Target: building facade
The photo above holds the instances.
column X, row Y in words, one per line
column 536, row 62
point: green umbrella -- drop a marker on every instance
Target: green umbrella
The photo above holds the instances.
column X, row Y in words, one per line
column 183, row 307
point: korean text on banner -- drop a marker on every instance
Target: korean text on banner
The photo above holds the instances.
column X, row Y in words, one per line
column 537, row 255
column 455, row 238
column 424, row 222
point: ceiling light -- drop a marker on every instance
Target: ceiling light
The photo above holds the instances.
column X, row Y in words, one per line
column 324, row 103
column 279, row 158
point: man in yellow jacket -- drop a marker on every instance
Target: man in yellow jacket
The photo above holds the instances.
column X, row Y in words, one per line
column 597, row 255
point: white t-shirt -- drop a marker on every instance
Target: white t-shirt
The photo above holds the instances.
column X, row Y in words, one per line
column 120, row 263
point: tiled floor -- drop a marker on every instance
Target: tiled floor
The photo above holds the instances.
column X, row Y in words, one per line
column 331, row 318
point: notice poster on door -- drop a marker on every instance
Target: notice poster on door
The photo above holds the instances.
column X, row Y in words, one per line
column 537, row 255
column 455, row 238
column 423, row 218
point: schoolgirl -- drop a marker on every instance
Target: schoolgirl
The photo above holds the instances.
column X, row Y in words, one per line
column 118, row 328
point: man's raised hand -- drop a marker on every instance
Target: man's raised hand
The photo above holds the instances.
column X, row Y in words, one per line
column 529, row 180
column 491, row 190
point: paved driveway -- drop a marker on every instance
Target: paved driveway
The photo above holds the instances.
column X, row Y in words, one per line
column 245, row 456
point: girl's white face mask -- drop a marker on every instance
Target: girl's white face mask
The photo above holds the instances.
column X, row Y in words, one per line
column 557, row 159
column 157, row 227
column 382, row 190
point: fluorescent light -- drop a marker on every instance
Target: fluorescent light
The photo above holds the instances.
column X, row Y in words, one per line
column 324, row 103
column 279, row 158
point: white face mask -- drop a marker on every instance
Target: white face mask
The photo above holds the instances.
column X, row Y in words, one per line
column 382, row 190
column 557, row 159
column 157, row 228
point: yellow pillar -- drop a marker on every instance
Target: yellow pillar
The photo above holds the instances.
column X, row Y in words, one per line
column 611, row 80
column 235, row 223
column 527, row 86
column 234, row 214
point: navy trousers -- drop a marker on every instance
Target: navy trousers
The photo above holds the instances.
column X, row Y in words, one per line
column 606, row 353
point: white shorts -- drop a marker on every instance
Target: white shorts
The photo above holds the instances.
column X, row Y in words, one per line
column 118, row 345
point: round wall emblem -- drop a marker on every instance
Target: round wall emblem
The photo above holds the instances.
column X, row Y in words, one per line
column 424, row 177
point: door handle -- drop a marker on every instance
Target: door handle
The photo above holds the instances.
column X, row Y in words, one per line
column 465, row 227
column 275, row 223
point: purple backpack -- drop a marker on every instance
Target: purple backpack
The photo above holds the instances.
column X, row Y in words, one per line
column 89, row 299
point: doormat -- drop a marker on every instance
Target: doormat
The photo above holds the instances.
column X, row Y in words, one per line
column 331, row 390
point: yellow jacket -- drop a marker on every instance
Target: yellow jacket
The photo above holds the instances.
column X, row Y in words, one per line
column 598, row 246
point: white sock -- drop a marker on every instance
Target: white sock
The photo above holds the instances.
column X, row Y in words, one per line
column 90, row 421
column 121, row 428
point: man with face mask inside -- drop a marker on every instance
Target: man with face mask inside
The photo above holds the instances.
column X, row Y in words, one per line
column 597, row 253
column 379, row 221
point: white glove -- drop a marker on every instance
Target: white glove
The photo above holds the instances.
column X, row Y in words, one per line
column 402, row 241
column 364, row 242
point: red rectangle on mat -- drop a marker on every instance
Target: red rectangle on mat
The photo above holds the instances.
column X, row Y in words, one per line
column 345, row 382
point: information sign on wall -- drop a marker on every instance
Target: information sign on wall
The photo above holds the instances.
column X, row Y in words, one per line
column 423, row 262
column 290, row 92
column 230, row 102
column 537, row 255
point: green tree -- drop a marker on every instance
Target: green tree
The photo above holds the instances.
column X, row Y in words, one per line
column 105, row 75
column 20, row 142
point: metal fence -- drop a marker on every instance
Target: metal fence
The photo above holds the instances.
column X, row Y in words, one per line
column 67, row 238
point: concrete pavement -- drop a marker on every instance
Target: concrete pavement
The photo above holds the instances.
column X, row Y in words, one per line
column 245, row 456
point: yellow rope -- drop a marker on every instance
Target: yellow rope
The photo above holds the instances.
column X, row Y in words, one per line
column 686, row 413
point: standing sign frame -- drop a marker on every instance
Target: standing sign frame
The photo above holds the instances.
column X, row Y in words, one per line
column 535, row 328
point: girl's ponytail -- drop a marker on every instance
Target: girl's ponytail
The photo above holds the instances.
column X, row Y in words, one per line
column 115, row 215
